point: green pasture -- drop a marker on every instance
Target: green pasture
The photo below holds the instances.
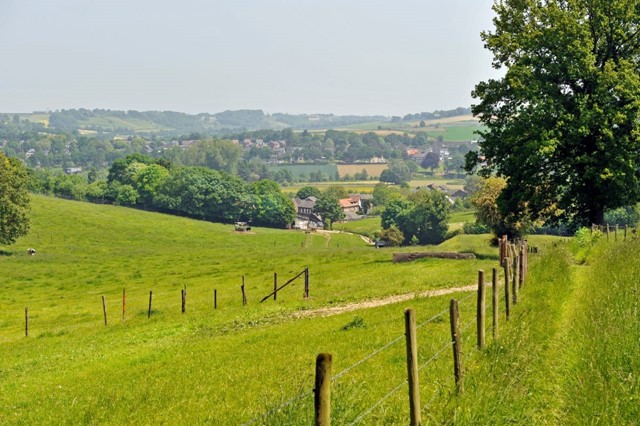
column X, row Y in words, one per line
column 367, row 226
column 328, row 170
column 135, row 124
column 566, row 356
column 366, row 187
column 223, row 366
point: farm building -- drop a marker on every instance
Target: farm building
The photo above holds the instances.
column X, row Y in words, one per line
column 306, row 219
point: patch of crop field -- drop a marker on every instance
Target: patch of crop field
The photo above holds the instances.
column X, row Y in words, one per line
column 224, row 365
column 451, row 184
column 366, row 187
column 297, row 170
column 373, row 170
column 135, row 124
column 36, row 118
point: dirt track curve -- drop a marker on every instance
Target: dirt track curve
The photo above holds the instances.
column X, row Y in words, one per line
column 335, row 310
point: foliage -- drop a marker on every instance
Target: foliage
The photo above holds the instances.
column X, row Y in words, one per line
column 308, row 191
column 336, row 191
column 216, row 154
column 583, row 242
column 397, row 173
column 562, row 124
column 14, row 200
column 423, row 216
column 383, row 194
column 488, row 213
column 627, row 215
column 328, row 207
column 431, row 161
column 392, row 235
column 475, row 228
column 272, row 208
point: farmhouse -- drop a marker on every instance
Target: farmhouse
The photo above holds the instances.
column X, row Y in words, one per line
column 305, row 217
column 351, row 207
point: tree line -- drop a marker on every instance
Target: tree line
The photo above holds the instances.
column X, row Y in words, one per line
column 159, row 185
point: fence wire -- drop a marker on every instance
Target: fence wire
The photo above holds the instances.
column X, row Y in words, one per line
column 422, row 324
column 371, row 355
column 280, row 407
column 436, row 355
column 377, row 404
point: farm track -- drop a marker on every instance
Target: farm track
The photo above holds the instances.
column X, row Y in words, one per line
column 335, row 310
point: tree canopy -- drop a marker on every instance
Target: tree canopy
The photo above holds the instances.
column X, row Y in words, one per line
column 423, row 217
column 562, row 124
column 14, row 200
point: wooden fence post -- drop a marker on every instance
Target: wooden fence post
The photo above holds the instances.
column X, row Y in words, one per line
column 306, row 282
column 507, row 298
column 215, row 298
column 480, row 310
column 104, row 310
column 275, row 285
column 183, row 300
column 412, row 367
column 244, row 295
column 625, row 232
column 615, row 234
column 494, row 287
column 124, row 303
column 454, row 319
column 26, row 321
column 607, row 232
column 150, row 298
column 521, row 262
column 514, row 283
column 322, row 390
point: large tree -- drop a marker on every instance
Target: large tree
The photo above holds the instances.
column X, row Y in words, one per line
column 562, row 124
column 14, row 200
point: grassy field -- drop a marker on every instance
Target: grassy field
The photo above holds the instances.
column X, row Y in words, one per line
column 205, row 366
column 452, row 129
column 362, row 186
column 568, row 355
column 373, row 170
column 328, row 170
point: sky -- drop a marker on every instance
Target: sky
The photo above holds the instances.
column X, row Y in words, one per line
column 362, row 57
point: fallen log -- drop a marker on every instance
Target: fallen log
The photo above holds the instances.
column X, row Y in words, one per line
column 409, row 257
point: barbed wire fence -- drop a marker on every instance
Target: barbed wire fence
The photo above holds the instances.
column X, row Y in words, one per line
column 511, row 276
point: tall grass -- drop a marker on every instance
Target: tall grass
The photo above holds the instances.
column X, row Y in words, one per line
column 568, row 355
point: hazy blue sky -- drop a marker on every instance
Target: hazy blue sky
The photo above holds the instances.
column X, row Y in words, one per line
column 304, row 56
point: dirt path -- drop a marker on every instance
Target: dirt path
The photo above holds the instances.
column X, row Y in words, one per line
column 335, row 310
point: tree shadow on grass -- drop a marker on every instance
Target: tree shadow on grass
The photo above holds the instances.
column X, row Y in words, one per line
column 5, row 253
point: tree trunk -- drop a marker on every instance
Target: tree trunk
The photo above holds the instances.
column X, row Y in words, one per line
column 596, row 215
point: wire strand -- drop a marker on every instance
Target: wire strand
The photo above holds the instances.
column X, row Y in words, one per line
column 371, row 355
column 444, row 311
column 273, row 410
column 377, row 404
column 433, row 358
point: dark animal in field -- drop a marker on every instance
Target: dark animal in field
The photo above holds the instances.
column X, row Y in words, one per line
column 31, row 251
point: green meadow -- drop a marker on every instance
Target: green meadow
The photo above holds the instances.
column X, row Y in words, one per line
column 254, row 364
column 221, row 366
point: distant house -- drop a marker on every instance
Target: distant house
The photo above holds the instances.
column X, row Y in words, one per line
column 351, row 204
column 442, row 189
column 351, row 207
column 73, row 170
column 306, row 219
column 459, row 194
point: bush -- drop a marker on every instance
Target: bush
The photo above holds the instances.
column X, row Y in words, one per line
column 475, row 228
column 582, row 243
